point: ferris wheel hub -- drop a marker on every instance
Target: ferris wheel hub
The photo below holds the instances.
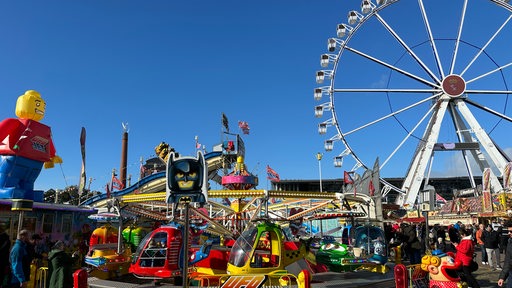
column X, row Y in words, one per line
column 454, row 85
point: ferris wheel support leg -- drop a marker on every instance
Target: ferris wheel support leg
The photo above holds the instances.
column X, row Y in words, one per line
column 416, row 172
column 494, row 154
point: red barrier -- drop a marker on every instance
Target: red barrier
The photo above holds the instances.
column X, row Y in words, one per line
column 80, row 278
column 401, row 275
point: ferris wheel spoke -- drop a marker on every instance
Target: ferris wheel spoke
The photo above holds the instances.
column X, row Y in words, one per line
column 431, row 38
column 392, row 114
column 486, row 44
column 403, row 72
column 489, row 110
column 497, row 92
column 384, row 90
column 407, row 136
column 489, row 72
column 407, row 48
column 459, row 33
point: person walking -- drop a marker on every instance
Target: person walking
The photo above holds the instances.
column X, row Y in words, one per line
column 59, row 267
column 441, row 245
column 413, row 244
column 20, row 266
column 502, row 230
column 480, row 243
column 506, row 273
column 491, row 243
column 5, row 246
column 465, row 249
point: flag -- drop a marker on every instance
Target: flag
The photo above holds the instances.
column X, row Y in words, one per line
column 347, row 179
column 371, row 188
column 116, row 183
column 198, row 145
column 244, row 126
column 440, row 198
column 142, row 170
column 356, row 182
column 225, row 122
column 272, row 175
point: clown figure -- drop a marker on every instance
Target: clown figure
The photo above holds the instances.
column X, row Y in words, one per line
column 25, row 144
column 443, row 271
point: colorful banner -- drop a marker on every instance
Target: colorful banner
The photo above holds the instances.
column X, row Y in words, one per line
column 506, row 175
column 486, row 193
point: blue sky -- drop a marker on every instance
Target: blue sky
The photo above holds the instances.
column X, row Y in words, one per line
column 171, row 68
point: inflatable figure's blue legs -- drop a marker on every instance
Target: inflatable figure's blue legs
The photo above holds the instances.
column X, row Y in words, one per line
column 17, row 177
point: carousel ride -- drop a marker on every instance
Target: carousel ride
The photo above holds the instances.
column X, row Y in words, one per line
column 245, row 232
column 108, row 254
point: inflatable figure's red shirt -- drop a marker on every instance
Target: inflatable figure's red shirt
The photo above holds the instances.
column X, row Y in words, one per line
column 26, row 138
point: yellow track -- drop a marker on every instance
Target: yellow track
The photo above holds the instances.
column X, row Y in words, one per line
column 160, row 196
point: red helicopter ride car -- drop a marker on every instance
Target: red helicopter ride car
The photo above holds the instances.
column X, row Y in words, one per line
column 160, row 255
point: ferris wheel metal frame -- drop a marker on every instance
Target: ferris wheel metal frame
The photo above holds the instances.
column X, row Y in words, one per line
column 445, row 88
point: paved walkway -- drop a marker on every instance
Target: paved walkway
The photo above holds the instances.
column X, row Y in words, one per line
column 487, row 278
column 484, row 275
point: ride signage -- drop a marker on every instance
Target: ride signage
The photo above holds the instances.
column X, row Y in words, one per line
column 249, row 281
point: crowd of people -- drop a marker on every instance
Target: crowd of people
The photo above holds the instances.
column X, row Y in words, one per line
column 27, row 250
column 491, row 240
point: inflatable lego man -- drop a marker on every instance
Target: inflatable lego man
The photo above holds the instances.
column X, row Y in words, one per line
column 25, row 145
column 443, row 271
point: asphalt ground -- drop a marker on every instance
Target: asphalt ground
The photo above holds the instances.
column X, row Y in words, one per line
column 485, row 277
column 364, row 279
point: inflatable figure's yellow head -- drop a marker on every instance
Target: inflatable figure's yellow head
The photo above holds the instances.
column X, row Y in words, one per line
column 441, row 268
column 30, row 106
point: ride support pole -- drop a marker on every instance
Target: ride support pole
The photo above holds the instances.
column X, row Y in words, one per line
column 398, row 254
column 185, row 247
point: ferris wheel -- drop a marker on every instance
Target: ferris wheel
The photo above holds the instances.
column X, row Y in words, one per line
column 422, row 86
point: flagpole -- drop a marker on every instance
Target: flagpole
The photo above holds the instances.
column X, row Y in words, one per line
column 141, row 169
column 319, row 158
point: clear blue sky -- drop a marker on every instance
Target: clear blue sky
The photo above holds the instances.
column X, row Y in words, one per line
column 170, row 69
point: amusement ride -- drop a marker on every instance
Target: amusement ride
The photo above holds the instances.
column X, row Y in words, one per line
column 433, row 86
